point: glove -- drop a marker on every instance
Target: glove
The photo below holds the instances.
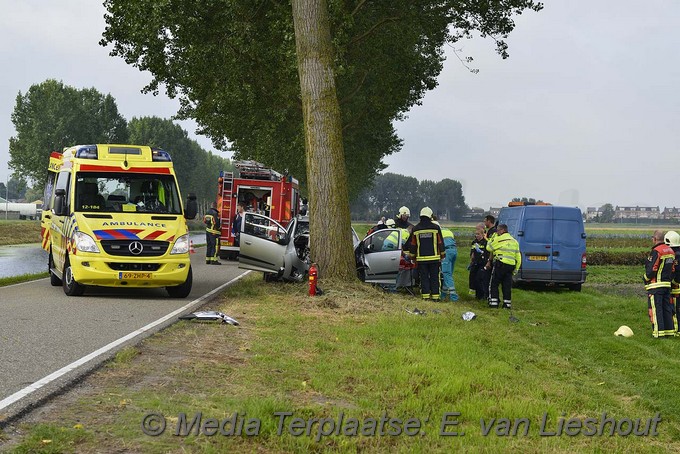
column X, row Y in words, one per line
column 469, row 266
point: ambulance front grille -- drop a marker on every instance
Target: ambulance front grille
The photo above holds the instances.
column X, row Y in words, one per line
column 135, row 266
column 128, row 248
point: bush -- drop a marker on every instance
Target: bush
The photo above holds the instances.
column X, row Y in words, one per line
column 608, row 257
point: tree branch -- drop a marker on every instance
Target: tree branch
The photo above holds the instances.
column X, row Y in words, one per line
column 372, row 29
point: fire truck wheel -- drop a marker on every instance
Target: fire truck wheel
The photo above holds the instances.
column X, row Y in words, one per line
column 54, row 280
column 71, row 287
column 182, row 290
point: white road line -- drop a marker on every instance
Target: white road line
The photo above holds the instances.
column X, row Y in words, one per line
column 6, row 402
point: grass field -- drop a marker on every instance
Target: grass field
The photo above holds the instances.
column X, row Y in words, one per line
column 542, row 384
column 19, row 232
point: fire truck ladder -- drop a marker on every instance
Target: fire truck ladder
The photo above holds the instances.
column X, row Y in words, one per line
column 226, row 196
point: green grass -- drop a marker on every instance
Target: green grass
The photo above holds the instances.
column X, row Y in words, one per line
column 19, row 232
column 5, row 281
column 356, row 351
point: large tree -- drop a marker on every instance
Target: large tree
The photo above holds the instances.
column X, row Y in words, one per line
column 197, row 169
column 234, row 66
column 51, row 116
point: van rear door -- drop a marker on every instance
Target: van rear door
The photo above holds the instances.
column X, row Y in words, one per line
column 568, row 245
column 535, row 234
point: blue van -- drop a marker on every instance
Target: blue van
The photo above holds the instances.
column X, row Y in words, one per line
column 552, row 241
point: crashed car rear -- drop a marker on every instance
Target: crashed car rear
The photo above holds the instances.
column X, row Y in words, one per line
column 283, row 252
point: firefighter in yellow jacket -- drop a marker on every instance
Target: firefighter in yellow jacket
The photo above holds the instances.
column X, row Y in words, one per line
column 506, row 261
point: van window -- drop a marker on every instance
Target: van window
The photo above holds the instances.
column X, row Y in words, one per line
column 538, row 231
column 49, row 191
column 568, row 232
column 128, row 192
column 63, row 182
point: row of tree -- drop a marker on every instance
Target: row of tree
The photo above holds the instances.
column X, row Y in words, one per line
column 390, row 191
column 51, row 116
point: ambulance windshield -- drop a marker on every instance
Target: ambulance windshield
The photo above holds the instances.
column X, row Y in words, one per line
column 126, row 192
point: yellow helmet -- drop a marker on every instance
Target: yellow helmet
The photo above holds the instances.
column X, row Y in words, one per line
column 404, row 211
column 427, row 212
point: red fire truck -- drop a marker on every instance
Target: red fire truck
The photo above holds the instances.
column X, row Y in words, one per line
column 261, row 190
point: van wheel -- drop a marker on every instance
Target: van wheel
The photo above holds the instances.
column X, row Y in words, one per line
column 182, row 290
column 71, row 287
column 54, row 280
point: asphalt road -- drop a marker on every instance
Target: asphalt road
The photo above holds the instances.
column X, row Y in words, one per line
column 42, row 330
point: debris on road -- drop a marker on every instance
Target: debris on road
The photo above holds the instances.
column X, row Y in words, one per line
column 210, row 316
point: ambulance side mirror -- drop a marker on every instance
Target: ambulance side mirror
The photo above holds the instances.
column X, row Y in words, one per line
column 60, row 202
column 191, row 207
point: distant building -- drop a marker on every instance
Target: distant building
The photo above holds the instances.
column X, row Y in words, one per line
column 493, row 211
column 637, row 212
column 671, row 213
column 474, row 214
column 593, row 213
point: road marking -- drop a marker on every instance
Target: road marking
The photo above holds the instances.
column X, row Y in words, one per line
column 6, row 402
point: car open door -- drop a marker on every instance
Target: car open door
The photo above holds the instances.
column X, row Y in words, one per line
column 379, row 255
column 263, row 244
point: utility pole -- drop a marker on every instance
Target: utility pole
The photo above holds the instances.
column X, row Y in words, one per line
column 6, row 198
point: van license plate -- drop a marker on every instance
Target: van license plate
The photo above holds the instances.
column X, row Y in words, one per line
column 542, row 258
column 135, row 276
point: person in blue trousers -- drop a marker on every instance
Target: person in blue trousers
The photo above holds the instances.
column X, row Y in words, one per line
column 448, row 286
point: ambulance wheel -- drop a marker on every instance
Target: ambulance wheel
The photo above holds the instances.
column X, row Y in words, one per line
column 54, row 280
column 182, row 290
column 71, row 287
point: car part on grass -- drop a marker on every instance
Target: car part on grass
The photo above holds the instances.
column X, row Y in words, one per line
column 210, row 316
column 469, row 315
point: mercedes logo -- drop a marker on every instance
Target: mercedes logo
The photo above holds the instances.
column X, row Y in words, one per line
column 136, row 248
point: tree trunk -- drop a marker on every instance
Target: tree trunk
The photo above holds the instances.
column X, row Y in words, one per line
column 330, row 227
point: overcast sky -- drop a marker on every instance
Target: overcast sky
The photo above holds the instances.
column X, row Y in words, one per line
column 584, row 112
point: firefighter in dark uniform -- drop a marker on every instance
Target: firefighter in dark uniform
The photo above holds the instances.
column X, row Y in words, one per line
column 212, row 235
column 672, row 239
column 506, row 262
column 478, row 280
column 426, row 244
column 659, row 271
column 401, row 220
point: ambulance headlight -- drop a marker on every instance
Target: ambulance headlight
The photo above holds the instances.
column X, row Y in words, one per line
column 84, row 242
column 181, row 245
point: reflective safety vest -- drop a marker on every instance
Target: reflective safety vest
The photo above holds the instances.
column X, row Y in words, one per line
column 449, row 239
column 212, row 222
column 675, row 284
column 426, row 243
column 391, row 242
column 660, row 267
column 505, row 249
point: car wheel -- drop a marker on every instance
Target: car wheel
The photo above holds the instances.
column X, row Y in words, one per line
column 182, row 290
column 54, row 280
column 71, row 287
column 575, row 287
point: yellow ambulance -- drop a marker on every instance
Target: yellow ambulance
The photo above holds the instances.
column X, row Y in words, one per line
column 113, row 217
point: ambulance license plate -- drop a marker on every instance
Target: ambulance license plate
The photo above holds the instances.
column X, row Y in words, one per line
column 134, row 276
column 541, row 258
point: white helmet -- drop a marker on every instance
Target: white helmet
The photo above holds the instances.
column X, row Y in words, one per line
column 672, row 238
column 390, row 223
column 404, row 211
column 427, row 212
column 624, row 331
